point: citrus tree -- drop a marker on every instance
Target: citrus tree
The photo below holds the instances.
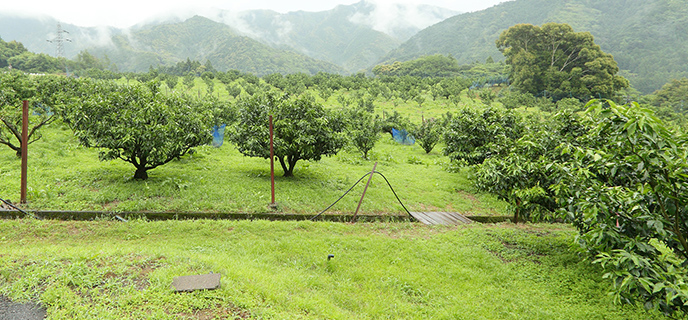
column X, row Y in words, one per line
column 136, row 123
column 16, row 87
column 363, row 129
column 627, row 193
column 303, row 129
column 474, row 135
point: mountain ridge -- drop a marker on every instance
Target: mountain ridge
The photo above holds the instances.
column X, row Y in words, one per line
column 342, row 36
column 647, row 46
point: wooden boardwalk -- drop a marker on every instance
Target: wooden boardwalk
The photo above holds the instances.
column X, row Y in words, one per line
column 444, row 218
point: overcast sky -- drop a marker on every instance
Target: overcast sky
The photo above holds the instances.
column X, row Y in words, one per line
column 125, row 13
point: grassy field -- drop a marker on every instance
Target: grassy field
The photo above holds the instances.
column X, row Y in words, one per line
column 65, row 176
column 280, row 270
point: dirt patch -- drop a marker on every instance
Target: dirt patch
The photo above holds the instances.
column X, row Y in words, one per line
column 10, row 310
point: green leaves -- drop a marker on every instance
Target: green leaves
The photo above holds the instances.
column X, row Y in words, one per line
column 638, row 169
column 303, row 129
column 475, row 135
column 555, row 61
column 39, row 91
column 137, row 124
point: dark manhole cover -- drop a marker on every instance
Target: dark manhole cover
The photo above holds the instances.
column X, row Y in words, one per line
column 10, row 310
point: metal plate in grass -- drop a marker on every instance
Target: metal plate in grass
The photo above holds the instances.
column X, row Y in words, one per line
column 10, row 310
column 196, row 282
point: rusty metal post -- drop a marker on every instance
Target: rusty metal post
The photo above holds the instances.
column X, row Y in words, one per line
column 24, row 149
column 272, row 163
column 364, row 192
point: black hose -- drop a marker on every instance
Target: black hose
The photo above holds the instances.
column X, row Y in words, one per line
column 340, row 198
column 395, row 194
column 20, row 210
column 359, row 180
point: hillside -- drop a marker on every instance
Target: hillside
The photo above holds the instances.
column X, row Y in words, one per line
column 202, row 39
column 647, row 38
column 351, row 36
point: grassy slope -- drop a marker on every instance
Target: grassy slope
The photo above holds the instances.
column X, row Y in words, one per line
column 279, row 270
column 65, row 176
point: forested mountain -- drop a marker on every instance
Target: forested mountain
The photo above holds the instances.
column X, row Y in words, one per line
column 351, row 36
column 151, row 45
column 647, row 37
column 202, row 39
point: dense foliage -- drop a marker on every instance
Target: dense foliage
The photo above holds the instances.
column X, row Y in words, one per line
column 136, row 123
column 645, row 37
column 303, row 129
column 474, row 135
column 626, row 191
column 38, row 90
column 672, row 96
column 428, row 134
column 429, row 66
column 555, row 61
column 619, row 175
column 363, row 129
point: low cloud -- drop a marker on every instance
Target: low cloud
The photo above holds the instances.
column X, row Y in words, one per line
column 97, row 36
column 397, row 17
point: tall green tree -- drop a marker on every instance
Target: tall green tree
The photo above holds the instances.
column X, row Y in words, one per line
column 557, row 62
column 303, row 129
column 137, row 124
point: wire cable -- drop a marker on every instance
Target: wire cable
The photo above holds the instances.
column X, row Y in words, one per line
column 20, row 210
column 355, row 184
column 340, row 198
column 395, row 194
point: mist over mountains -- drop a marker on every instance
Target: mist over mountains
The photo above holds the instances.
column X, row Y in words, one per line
column 646, row 37
column 346, row 39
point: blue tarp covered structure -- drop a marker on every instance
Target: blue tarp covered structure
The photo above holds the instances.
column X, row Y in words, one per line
column 403, row 137
column 218, row 135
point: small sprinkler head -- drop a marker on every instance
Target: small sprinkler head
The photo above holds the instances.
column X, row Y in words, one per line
column 330, row 256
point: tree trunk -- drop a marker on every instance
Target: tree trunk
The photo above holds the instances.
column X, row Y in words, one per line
column 287, row 172
column 141, row 173
column 288, row 165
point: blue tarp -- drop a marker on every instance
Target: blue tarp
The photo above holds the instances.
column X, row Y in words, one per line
column 218, row 135
column 403, row 137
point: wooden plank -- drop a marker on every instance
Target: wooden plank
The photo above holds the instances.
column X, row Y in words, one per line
column 426, row 218
column 462, row 218
column 450, row 218
column 436, row 218
column 442, row 218
column 422, row 217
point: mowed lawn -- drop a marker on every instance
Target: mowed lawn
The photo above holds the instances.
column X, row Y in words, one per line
column 279, row 270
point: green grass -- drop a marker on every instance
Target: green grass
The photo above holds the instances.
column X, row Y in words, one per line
column 279, row 270
column 65, row 176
